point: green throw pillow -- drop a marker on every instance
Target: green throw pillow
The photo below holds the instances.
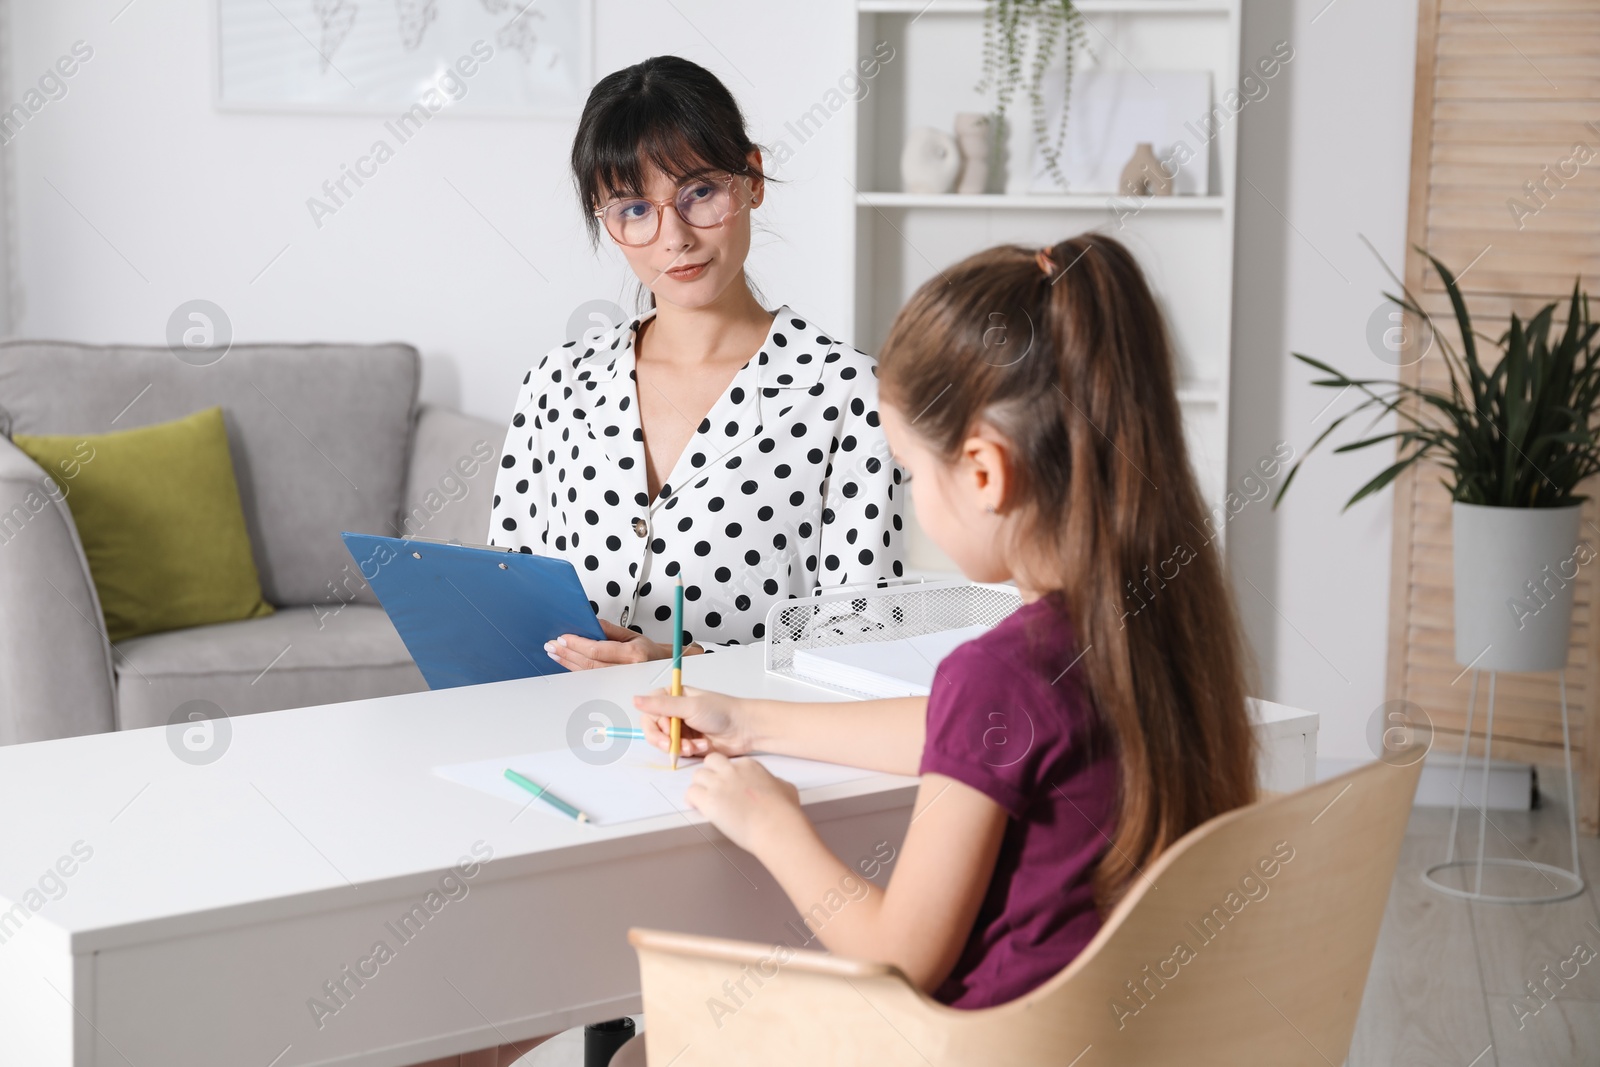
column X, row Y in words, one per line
column 158, row 512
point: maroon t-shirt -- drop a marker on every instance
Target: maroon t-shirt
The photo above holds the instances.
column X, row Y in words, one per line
column 1008, row 717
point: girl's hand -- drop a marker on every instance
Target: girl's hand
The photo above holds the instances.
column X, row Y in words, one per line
column 712, row 722
column 753, row 809
column 621, row 646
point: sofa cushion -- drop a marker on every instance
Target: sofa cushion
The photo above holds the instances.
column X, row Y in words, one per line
column 454, row 460
column 319, row 435
column 157, row 511
column 298, row 657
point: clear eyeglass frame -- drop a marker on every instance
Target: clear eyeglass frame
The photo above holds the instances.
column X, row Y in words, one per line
column 658, row 209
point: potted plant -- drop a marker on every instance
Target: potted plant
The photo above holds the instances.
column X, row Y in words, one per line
column 1008, row 28
column 1515, row 440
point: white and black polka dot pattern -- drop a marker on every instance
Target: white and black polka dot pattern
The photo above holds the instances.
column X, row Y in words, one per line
column 787, row 485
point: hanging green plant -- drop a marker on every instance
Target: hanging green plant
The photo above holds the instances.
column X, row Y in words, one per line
column 1009, row 28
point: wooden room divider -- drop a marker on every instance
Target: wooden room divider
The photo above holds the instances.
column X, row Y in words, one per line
column 1505, row 191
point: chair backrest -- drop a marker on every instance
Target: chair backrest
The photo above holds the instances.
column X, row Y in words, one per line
column 319, row 435
column 1248, row 941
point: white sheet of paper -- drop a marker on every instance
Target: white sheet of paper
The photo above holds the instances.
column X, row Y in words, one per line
column 639, row 785
column 902, row 667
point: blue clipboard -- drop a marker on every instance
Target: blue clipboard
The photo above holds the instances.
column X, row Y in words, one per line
column 471, row 615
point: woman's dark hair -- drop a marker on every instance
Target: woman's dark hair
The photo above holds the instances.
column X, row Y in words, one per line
column 1074, row 368
column 668, row 111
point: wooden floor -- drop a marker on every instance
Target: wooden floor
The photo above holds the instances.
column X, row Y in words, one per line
column 1449, row 975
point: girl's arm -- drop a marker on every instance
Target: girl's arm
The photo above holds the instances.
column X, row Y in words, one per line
column 880, row 735
column 922, row 920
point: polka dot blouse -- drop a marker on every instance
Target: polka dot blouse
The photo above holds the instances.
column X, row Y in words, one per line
column 787, row 486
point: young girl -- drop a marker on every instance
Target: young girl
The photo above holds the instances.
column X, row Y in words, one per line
column 1030, row 396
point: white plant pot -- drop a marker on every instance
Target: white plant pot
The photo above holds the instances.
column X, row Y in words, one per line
column 1515, row 572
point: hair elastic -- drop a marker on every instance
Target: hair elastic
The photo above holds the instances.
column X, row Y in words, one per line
column 1046, row 264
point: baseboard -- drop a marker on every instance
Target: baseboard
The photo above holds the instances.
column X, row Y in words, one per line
column 1510, row 784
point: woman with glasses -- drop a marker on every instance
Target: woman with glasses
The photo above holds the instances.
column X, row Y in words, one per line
column 707, row 439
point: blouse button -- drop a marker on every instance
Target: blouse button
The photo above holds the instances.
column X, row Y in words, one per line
column 640, row 527
column 624, row 616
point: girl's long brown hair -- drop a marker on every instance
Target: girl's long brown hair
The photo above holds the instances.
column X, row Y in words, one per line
column 1075, row 369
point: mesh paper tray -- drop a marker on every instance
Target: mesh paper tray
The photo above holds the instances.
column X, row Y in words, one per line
column 874, row 614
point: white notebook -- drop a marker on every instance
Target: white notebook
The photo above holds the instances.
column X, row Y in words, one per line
column 639, row 785
column 899, row 668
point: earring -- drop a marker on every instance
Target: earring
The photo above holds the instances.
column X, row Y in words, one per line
column 989, row 508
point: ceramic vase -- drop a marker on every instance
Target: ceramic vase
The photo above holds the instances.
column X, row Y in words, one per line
column 973, row 135
column 1144, row 175
column 930, row 161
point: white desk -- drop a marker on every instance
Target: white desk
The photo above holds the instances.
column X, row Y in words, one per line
column 217, row 900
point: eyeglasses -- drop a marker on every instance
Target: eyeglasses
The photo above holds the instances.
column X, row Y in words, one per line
column 701, row 202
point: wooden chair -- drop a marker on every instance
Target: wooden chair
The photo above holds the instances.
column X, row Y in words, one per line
column 1248, row 941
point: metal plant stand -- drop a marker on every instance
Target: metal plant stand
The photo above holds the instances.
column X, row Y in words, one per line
column 1564, row 884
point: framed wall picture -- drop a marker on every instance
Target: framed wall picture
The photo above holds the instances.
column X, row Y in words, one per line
column 1113, row 111
column 482, row 57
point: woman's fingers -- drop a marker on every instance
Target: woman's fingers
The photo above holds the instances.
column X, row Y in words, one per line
column 620, row 646
column 614, row 632
column 599, row 652
column 569, row 657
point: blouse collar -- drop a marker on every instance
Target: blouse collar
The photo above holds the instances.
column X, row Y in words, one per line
column 790, row 356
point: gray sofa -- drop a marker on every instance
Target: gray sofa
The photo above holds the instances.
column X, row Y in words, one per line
column 324, row 438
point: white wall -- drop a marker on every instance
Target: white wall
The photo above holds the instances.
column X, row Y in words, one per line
column 1330, row 150
column 198, row 202
column 159, row 199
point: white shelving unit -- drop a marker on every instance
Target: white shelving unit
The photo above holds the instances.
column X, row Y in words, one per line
column 1088, row 7
column 1184, row 243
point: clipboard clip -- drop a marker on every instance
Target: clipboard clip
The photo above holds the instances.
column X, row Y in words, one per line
column 454, row 542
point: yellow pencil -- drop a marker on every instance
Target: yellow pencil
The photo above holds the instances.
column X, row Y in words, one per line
column 677, row 666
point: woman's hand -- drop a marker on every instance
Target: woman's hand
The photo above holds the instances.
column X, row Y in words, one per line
column 753, row 809
column 712, row 722
column 621, row 646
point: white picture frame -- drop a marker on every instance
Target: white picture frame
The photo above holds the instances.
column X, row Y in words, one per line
column 1111, row 112
column 384, row 57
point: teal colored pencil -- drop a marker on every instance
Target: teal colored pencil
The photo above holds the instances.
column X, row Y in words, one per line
column 631, row 733
column 677, row 626
column 545, row 795
column 675, row 734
